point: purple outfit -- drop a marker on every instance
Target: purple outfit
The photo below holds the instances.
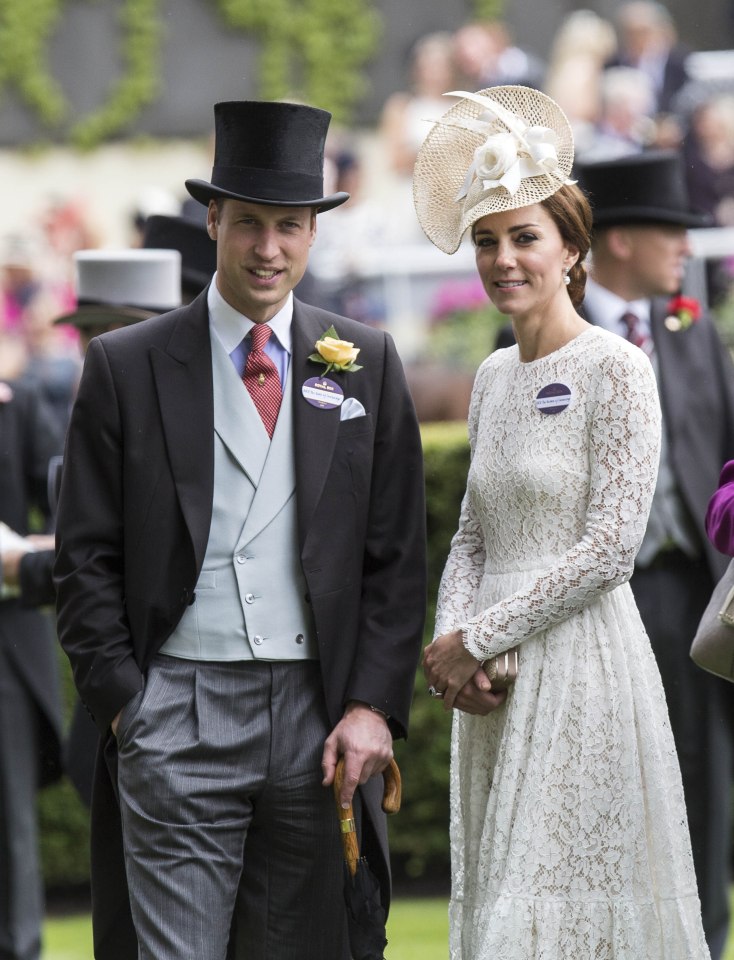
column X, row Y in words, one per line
column 720, row 513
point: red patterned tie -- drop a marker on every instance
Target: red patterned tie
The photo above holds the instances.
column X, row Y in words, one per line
column 261, row 378
column 636, row 333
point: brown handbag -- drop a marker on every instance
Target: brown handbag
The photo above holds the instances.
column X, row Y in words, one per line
column 502, row 669
column 713, row 645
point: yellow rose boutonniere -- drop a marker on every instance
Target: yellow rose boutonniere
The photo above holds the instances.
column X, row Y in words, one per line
column 335, row 354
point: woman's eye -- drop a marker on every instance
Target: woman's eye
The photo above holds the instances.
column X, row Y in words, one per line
column 526, row 238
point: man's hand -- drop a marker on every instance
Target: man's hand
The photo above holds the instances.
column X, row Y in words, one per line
column 363, row 738
column 115, row 722
column 11, row 566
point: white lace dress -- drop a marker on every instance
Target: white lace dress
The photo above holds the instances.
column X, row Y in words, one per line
column 569, row 837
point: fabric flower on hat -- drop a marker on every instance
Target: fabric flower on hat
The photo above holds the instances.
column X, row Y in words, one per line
column 496, row 159
column 683, row 312
column 508, row 155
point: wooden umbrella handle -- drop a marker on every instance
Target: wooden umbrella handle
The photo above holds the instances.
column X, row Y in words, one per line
column 390, row 804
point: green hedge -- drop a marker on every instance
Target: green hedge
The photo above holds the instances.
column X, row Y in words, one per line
column 419, row 834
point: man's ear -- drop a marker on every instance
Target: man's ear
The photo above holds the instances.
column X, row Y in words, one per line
column 212, row 216
column 619, row 243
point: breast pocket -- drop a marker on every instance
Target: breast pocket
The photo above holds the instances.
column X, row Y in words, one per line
column 354, row 427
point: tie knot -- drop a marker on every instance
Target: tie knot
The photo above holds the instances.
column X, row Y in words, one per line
column 631, row 321
column 259, row 335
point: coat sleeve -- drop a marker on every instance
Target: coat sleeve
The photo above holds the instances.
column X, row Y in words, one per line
column 392, row 609
column 92, row 622
column 720, row 513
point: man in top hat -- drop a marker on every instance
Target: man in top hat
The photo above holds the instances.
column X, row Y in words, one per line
column 30, row 702
column 241, row 579
column 108, row 285
column 641, row 214
column 191, row 239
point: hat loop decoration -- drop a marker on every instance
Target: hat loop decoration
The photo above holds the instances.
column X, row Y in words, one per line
column 503, row 151
column 506, row 158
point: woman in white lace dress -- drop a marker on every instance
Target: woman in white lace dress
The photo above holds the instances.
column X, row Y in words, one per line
column 569, row 838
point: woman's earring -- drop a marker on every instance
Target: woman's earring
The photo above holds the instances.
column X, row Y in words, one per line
column 566, row 278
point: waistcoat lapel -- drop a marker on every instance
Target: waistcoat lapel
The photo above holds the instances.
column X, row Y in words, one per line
column 236, row 419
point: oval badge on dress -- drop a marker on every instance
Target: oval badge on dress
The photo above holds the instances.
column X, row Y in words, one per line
column 322, row 393
column 554, row 398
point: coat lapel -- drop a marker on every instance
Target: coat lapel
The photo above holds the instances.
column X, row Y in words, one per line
column 183, row 379
column 315, row 430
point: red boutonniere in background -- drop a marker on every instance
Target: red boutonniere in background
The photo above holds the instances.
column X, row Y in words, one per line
column 683, row 312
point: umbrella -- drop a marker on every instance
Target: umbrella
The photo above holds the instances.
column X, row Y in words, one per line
column 365, row 914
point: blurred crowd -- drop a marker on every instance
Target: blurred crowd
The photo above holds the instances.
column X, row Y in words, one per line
column 626, row 86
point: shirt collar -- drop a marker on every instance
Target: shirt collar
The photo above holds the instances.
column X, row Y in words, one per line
column 607, row 307
column 232, row 327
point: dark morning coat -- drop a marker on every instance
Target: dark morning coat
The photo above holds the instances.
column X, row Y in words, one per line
column 696, row 385
column 133, row 523
column 29, row 438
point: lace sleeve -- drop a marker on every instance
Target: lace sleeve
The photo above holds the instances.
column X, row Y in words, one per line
column 463, row 571
column 624, row 450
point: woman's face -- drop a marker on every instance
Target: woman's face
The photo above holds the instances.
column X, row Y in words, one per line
column 521, row 258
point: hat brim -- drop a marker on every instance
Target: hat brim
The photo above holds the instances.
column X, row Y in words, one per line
column 648, row 216
column 204, row 192
column 101, row 315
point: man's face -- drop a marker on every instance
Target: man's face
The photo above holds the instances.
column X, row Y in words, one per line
column 656, row 258
column 262, row 253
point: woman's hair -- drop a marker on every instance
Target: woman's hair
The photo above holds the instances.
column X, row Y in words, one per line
column 570, row 211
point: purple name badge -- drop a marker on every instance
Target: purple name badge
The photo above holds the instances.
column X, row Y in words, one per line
column 322, row 393
column 554, row 398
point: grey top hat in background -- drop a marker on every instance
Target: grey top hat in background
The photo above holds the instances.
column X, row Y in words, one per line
column 198, row 251
column 124, row 286
column 270, row 153
column 643, row 188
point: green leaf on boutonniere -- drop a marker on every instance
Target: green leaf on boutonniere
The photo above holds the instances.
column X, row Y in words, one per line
column 335, row 354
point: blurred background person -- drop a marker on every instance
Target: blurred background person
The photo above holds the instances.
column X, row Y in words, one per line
column 485, row 55
column 191, row 239
column 624, row 124
column 708, row 151
column 641, row 217
column 405, row 120
column 30, row 703
column 354, row 228
column 581, row 47
column 648, row 41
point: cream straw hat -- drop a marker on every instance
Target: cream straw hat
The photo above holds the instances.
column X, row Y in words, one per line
column 495, row 150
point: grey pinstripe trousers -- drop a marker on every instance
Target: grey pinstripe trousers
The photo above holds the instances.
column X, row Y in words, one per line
column 226, row 825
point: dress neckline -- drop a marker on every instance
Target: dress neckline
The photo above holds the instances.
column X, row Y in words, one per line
column 557, row 351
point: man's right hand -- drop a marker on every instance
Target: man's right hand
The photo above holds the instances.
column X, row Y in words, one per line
column 115, row 723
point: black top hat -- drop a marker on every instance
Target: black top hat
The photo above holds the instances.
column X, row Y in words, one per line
column 270, row 153
column 643, row 188
column 198, row 251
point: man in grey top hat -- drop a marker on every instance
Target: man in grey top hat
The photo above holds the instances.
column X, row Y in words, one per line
column 241, row 579
column 641, row 215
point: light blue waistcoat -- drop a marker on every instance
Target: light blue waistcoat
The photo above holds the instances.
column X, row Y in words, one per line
column 251, row 594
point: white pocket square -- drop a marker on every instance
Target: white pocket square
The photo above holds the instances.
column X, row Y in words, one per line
column 350, row 409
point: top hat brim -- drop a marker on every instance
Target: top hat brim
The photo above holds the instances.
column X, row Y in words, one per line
column 203, row 191
column 649, row 216
column 102, row 315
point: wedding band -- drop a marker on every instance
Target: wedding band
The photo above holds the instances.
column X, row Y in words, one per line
column 435, row 693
